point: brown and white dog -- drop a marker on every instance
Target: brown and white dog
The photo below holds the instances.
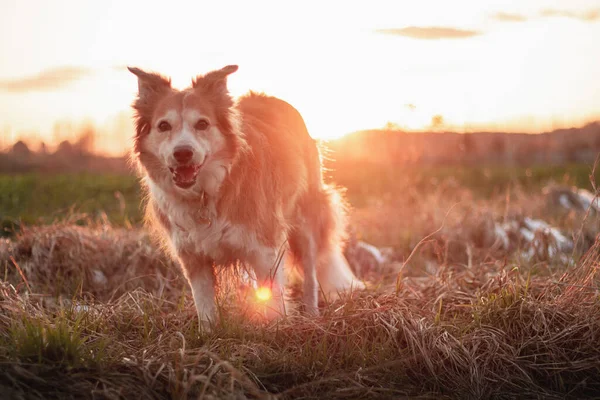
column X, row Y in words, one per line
column 235, row 181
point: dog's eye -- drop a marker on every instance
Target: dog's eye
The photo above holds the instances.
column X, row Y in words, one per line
column 164, row 126
column 201, row 125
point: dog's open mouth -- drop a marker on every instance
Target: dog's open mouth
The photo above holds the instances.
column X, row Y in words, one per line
column 185, row 176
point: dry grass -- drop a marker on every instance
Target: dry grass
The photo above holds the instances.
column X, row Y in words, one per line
column 96, row 261
column 98, row 312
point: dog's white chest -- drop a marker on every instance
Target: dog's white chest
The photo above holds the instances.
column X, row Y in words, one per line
column 222, row 241
column 191, row 231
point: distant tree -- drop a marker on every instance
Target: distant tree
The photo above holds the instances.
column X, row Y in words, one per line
column 87, row 140
column 65, row 149
column 20, row 149
column 391, row 126
column 437, row 121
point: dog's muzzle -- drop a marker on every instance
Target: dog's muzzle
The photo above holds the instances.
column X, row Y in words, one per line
column 185, row 171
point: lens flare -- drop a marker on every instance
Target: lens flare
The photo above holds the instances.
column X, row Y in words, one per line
column 263, row 293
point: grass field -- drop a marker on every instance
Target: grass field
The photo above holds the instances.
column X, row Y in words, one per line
column 90, row 308
column 41, row 198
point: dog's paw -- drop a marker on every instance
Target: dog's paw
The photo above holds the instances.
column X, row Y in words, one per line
column 311, row 311
column 206, row 324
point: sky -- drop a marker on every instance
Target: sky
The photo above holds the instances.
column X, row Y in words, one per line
column 525, row 66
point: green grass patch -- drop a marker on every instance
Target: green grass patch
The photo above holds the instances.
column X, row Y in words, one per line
column 369, row 180
column 41, row 198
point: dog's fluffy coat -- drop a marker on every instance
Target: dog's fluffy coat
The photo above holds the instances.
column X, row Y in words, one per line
column 256, row 188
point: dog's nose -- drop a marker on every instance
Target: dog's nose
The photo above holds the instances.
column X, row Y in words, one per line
column 183, row 154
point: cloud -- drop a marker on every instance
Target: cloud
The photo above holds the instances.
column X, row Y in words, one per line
column 508, row 17
column 430, row 32
column 47, row 80
column 587, row 16
column 119, row 68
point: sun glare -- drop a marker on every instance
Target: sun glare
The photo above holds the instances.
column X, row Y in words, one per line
column 263, row 294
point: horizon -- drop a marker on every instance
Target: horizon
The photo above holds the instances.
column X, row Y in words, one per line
column 87, row 136
column 525, row 68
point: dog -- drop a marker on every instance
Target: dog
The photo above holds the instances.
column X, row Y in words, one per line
column 237, row 181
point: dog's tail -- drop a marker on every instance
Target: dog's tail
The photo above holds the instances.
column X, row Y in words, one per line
column 333, row 272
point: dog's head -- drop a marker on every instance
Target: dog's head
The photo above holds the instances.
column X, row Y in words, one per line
column 186, row 141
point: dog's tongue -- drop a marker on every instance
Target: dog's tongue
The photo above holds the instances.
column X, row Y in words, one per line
column 185, row 173
column 185, row 176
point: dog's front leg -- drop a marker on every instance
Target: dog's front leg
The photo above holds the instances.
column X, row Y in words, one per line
column 268, row 267
column 200, row 273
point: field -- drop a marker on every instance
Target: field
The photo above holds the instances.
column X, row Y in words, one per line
column 90, row 308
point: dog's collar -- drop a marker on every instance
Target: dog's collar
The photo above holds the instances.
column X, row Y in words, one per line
column 202, row 216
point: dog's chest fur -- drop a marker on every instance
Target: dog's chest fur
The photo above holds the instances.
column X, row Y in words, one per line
column 189, row 232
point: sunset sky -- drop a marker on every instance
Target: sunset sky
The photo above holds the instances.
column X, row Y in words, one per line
column 496, row 65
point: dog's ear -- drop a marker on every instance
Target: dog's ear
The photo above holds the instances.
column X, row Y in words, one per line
column 150, row 87
column 215, row 81
column 150, row 84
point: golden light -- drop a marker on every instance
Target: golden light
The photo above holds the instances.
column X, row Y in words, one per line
column 263, row 294
column 498, row 75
